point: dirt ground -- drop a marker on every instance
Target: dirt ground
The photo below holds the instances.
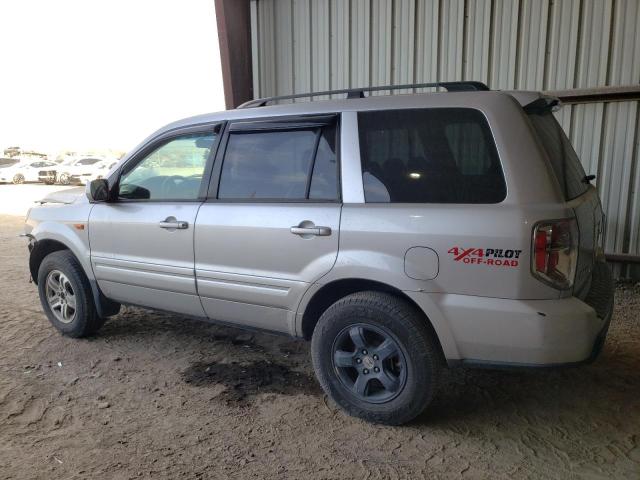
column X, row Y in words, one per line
column 155, row 395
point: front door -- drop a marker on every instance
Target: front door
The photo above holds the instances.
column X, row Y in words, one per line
column 271, row 227
column 142, row 242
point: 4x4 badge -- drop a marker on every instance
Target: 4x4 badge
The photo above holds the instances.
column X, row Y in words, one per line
column 497, row 257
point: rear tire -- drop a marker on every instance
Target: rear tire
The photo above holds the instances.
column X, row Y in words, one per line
column 18, row 179
column 375, row 357
column 66, row 296
column 64, row 179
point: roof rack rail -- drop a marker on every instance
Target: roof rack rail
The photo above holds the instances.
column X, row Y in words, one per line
column 465, row 86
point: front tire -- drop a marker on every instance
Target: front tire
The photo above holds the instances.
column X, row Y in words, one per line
column 18, row 179
column 65, row 295
column 375, row 357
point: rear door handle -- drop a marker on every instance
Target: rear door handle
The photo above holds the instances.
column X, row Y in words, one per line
column 173, row 224
column 317, row 231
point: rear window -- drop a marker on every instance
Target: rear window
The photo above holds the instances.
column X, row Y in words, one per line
column 563, row 158
column 444, row 155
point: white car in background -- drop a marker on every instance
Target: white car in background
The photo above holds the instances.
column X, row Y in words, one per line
column 30, row 171
column 79, row 170
column 101, row 170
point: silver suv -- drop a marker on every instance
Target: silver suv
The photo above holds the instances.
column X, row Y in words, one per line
column 399, row 233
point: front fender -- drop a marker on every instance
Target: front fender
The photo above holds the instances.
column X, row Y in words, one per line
column 67, row 224
column 51, row 235
column 73, row 236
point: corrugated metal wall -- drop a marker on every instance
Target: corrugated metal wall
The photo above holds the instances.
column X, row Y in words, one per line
column 313, row 45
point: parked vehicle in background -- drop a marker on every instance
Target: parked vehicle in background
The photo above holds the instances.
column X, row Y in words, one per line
column 100, row 170
column 78, row 170
column 401, row 234
column 30, row 171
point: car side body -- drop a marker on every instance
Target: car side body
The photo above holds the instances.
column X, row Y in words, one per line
column 279, row 264
column 80, row 170
column 29, row 171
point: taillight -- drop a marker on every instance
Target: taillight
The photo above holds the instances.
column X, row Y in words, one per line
column 555, row 252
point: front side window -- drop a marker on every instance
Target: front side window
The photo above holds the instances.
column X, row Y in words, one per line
column 440, row 155
column 173, row 171
column 296, row 164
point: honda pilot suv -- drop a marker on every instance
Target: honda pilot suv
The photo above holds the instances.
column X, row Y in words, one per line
column 400, row 234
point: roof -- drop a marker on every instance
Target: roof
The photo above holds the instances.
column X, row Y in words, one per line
column 466, row 99
column 381, row 102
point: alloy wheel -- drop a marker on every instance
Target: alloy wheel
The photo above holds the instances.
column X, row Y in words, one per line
column 60, row 296
column 369, row 363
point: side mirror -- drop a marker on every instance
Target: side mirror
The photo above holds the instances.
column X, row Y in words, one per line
column 98, row 190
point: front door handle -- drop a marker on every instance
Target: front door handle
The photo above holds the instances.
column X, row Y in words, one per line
column 171, row 223
column 315, row 231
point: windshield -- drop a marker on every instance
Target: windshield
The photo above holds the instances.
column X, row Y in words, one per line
column 563, row 158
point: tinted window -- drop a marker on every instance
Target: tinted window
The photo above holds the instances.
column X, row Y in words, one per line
column 171, row 172
column 277, row 165
column 444, row 155
column 324, row 181
column 563, row 158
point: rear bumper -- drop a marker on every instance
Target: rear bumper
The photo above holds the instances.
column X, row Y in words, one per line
column 530, row 333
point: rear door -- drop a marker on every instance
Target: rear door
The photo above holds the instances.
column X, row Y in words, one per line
column 142, row 241
column 270, row 227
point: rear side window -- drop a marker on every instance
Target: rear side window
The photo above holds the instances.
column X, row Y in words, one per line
column 563, row 158
column 297, row 164
column 444, row 155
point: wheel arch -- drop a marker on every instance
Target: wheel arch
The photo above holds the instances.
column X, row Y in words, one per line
column 40, row 249
column 328, row 294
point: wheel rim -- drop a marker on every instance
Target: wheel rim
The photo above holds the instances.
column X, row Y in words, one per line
column 369, row 362
column 19, row 178
column 60, row 296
